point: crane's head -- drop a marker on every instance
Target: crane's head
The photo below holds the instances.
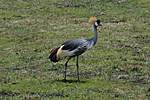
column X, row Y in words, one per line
column 93, row 20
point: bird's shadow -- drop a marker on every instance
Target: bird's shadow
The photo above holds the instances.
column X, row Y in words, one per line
column 71, row 81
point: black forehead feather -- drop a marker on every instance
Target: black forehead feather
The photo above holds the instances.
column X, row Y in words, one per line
column 98, row 21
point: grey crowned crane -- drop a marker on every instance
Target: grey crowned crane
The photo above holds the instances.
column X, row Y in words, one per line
column 74, row 48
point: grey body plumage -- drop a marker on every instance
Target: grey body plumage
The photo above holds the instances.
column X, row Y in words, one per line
column 77, row 47
column 74, row 48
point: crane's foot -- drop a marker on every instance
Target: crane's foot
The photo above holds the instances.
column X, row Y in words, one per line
column 64, row 80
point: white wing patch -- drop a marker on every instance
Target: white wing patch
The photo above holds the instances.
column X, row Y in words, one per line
column 61, row 54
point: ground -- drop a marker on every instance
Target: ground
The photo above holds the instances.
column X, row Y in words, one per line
column 117, row 68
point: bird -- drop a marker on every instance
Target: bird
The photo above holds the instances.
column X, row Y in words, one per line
column 76, row 47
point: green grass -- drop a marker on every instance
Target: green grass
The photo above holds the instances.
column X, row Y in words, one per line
column 117, row 68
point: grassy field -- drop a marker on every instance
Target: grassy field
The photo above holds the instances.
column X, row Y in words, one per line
column 117, row 68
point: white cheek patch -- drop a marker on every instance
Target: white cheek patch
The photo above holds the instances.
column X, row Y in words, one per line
column 96, row 24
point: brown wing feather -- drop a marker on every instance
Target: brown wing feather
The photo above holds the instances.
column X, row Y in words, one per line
column 53, row 54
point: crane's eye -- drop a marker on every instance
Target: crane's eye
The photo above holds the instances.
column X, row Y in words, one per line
column 98, row 23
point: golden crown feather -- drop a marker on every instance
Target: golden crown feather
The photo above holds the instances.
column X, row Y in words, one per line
column 92, row 19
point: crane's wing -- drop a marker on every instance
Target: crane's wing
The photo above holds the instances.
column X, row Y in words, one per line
column 76, row 47
column 70, row 48
column 74, row 44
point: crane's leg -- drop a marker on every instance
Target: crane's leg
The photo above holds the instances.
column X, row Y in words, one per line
column 66, row 64
column 77, row 64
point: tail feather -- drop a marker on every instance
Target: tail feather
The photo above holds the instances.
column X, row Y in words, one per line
column 53, row 55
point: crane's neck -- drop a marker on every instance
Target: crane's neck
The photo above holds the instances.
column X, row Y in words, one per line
column 94, row 38
column 92, row 41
